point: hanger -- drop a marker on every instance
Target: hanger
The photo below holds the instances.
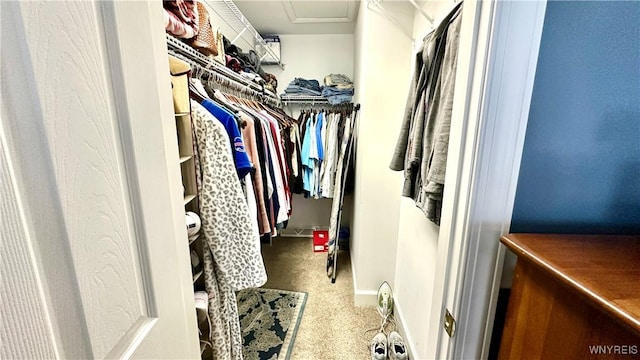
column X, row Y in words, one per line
column 195, row 94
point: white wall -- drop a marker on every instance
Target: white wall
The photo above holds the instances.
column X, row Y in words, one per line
column 312, row 57
column 383, row 58
column 417, row 238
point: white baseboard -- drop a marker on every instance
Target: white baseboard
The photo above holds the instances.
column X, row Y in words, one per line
column 361, row 297
column 365, row 297
column 402, row 329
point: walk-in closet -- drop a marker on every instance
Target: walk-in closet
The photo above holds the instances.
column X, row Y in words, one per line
column 287, row 92
column 293, row 179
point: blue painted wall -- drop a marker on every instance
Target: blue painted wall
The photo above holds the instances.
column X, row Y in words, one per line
column 580, row 169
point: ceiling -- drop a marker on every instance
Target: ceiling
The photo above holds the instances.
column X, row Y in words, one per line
column 301, row 16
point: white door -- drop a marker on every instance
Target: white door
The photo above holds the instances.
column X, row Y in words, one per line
column 497, row 60
column 94, row 250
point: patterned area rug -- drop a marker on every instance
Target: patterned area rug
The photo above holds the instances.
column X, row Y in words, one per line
column 269, row 320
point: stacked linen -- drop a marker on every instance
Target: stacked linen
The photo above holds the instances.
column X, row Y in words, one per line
column 338, row 89
column 302, row 86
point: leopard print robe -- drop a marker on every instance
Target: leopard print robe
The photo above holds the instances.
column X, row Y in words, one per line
column 232, row 258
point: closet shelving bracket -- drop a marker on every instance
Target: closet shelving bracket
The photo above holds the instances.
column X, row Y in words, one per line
column 421, row 10
column 378, row 5
column 242, row 28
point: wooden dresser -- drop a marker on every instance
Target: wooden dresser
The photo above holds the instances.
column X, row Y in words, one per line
column 573, row 297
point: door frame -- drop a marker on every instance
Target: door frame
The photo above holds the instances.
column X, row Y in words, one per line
column 489, row 122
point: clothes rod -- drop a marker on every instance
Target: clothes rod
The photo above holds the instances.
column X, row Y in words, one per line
column 222, row 74
column 226, row 82
column 179, row 47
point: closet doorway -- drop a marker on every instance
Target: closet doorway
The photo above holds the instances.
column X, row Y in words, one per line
column 102, row 277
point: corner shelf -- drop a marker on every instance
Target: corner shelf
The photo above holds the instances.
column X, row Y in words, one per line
column 188, row 198
column 241, row 28
column 197, row 275
column 191, row 241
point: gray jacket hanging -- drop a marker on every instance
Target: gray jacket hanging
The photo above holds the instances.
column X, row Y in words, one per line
column 421, row 150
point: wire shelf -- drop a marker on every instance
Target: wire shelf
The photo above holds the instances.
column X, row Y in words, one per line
column 296, row 99
column 189, row 54
column 303, row 99
column 246, row 36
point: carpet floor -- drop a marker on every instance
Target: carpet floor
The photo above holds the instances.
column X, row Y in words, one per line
column 331, row 327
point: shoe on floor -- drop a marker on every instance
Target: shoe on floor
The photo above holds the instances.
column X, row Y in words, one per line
column 379, row 347
column 397, row 349
column 385, row 300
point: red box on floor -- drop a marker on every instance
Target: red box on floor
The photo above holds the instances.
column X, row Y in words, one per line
column 320, row 240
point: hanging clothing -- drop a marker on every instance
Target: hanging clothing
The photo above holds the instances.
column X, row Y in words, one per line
column 320, row 148
column 307, row 160
column 267, row 169
column 320, row 151
column 276, row 164
column 241, row 159
column 249, row 137
column 275, row 156
column 331, row 156
column 421, row 150
column 296, row 160
column 232, row 258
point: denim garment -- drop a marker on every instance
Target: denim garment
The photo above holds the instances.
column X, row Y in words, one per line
column 339, row 99
column 331, row 91
column 295, row 89
column 320, row 119
column 309, row 84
